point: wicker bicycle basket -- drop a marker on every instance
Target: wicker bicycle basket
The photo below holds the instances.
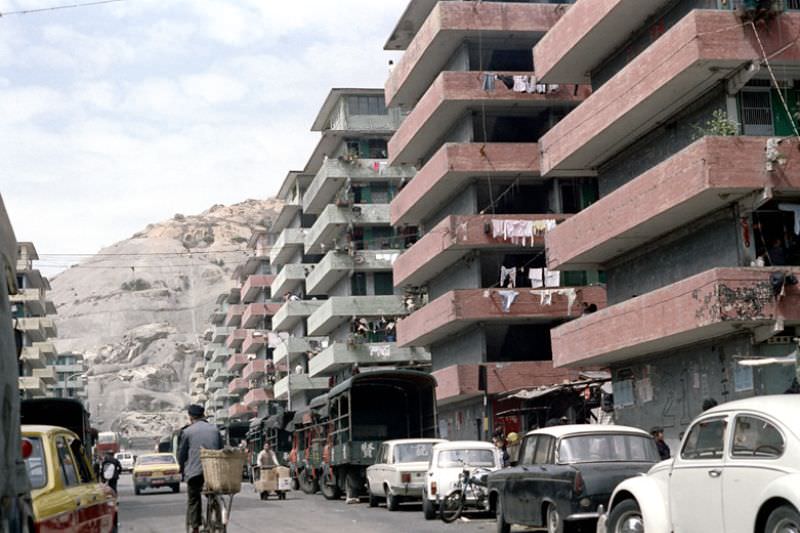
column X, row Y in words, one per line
column 222, row 469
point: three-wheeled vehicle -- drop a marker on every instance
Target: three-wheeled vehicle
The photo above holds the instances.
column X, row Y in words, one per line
column 272, row 430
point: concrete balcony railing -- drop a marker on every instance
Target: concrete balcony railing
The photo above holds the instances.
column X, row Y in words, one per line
column 453, row 95
column 211, row 368
column 339, row 309
column 221, row 355
column 208, row 351
column 336, row 265
column 342, row 355
column 285, row 215
column 256, row 397
column 217, row 316
column 32, row 387
column 334, row 174
column 334, row 221
column 47, row 349
column 254, row 286
column 293, row 383
column 233, row 318
column 220, row 334
column 33, row 300
column 235, row 338
column 455, row 237
column 289, row 242
column 460, row 382
column 454, row 166
column 33, row 328
column 286, row 353
column 256, row 314
column 292, row 312
column 223, row 375
column 236, row 362
column 290, row 279
column 255, row 341
column 700, row 51
column 32, row 357
column 49, row 327
column 241, row 411
column 457, row 310
column 47, row 375
column 703, row 307
column 238, row 386
column 707, row 175
column 256, row 369
column 449, row 25
column 195, row 377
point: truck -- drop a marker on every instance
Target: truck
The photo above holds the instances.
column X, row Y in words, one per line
column 15, row 498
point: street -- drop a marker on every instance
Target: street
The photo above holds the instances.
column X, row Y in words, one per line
column 163, row 512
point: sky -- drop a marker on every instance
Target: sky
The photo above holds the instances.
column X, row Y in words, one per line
column 118, row 115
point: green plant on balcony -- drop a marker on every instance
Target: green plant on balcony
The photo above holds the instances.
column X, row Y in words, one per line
column 719, row 125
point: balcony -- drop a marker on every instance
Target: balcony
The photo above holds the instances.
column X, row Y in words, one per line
column 220, row 334
column 457, row 310
column 460, row 382
column 289, row 242
column 221, row 355
column 256, row 369
column 208, row 351
column 342, row 355
column 334, row 174
column 286, row 214
column 455, row 237
column 32, row 387
column 254, row 286
column 712, row 172
column 217, row 316
column 33, row 301
column 336, row 265
column 290, row 279
column 449, row 25
column 211, row 368
column 240, row 411
column 255, row 341
column 286, row 352
column 700, row 51
column 294, row 383
column 334, row 221
column 33, row 328
column 587, row 34
column 32, row 357
column 292, row 312
column 47, row 349
column 236, row 362
column 47, row 375
column 256, row 397
column 453, row 167
column 221, row 416
column 233, row 317
column 714, row 303
column 256, row 314
column 451, row 96
column 339, row 309
column 235, row 338
column 238, row 386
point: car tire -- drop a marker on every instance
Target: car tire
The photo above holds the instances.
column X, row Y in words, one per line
column 137, row 490
column 176, row 488
column 624, row 517
column 373, row 500
column 427, row 507
column 392, row 502
column 554, row 522
column 784, row 518
column 502, row 525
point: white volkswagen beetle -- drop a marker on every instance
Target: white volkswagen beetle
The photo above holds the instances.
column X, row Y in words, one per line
column 737, row 471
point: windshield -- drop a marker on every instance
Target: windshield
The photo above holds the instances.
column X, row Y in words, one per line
column 156, row 460
column 607, row 447
column 106, row 438
column 416, row 452
column 476, row 458
column 35, row 465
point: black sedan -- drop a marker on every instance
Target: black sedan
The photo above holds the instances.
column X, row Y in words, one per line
column 565, row 472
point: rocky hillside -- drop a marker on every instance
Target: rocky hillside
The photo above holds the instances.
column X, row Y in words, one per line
column 138, row 310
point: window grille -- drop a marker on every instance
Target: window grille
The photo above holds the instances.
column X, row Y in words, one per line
column 757, row 112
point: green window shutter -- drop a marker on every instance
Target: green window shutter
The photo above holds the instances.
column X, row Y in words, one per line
column 574, row 278
column 384, row 285
column 783, row 122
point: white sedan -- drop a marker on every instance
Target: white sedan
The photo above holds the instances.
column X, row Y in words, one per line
column 738, row 471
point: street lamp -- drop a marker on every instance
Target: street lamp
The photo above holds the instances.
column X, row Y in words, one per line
column 71, row 377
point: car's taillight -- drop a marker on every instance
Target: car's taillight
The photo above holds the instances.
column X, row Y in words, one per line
column 405, row 477
column 579, row 485
column 433, row 488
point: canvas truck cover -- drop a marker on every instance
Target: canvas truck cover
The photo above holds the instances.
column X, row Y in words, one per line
column 13, row 479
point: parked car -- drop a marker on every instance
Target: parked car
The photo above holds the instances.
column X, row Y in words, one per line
column 125, row 459
column 399, row 471
column 738, row 470
column 565, row 473
column 448, row 461
column 155, row 471
column 66, row 496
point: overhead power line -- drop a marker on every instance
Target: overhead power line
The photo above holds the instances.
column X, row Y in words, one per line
column 58, row 7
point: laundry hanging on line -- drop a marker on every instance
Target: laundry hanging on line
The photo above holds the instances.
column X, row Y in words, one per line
column 520, row 231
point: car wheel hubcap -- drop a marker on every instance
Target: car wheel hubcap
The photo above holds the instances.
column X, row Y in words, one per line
column 552, row 520
column 787, row 526
column 630, row 523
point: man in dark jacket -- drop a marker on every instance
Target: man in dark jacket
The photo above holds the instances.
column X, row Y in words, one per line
column 663, row 449
column 197, row 435
column 110, row 470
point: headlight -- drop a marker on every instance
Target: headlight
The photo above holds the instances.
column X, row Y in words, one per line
column 585, row 503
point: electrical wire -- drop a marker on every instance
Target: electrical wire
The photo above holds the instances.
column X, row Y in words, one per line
column 58, row 7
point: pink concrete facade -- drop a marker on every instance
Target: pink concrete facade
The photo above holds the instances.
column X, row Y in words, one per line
column 233, row 317
column 452, row 168
column 255, row 312
column 253, row 286
column 238, row 386
column 240, row 410
column 460, row 19
column 452, row 238
column 235, row 339
column 705, row 176
column 236, row 362
column 256, row 397
column 703, row 48
column 254, row 341
column 255, row 369
column 711, row 304
column 461, row 381
column 459, row 309
column 451, row 94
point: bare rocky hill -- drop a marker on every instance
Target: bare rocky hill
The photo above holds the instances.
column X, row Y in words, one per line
column 138, row 310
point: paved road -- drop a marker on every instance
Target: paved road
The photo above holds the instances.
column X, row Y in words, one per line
column 163, row 512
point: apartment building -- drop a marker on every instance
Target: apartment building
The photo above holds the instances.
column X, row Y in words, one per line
column 476, row 111
column 334, row 250
column 70, row 368
column 32, row 313
column 697, row 222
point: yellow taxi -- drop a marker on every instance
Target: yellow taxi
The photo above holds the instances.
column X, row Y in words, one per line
column 155, row 471
column 66, row 496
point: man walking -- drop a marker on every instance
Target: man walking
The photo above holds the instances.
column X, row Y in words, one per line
column 110, row 470
column 197, row 435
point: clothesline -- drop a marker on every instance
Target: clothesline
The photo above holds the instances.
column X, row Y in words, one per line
column 518, row 231
column 518, row 83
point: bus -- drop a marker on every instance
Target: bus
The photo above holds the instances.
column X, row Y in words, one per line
column 107, row 442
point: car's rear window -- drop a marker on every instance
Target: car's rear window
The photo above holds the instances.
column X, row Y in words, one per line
column 416, row 452
column 607, row 447
column 156, row 460
column 479, row 458
column 35, row 465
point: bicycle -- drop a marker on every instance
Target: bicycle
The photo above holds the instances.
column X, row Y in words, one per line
column 471, row 485
column 218, row 512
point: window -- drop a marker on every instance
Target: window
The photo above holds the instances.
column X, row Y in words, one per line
column 413, row 453
column 756, row 111
column 607, row 447
column 156, row 460
column 366, row 105
column 755, row 437
column 460, row 458
column 66, row 463
column 384, row 286
column 35, row 465
column 544, row 451
column 529, row 450
column 706, row 440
